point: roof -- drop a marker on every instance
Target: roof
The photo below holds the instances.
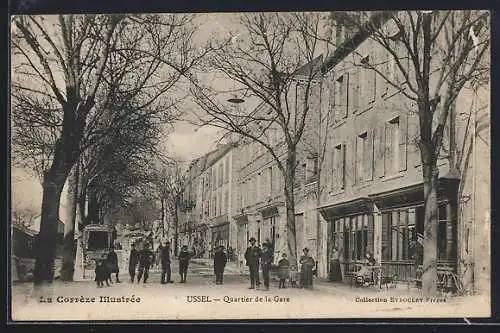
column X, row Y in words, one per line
column 376, row 20
column 310, row 67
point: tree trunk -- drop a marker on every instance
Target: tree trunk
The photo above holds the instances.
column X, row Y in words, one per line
column 93, row 208
column 162, row 217
column 429, row 274
column 46, row 239
column 291, row 236
column 176, row 230
column 67, row 269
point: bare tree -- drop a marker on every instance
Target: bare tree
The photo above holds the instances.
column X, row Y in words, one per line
column 66, row 71
column 276, row 60
column 431, row 57
column 167, row 180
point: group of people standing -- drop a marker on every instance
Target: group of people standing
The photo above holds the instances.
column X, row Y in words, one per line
column 264, row 258
column 145, row 258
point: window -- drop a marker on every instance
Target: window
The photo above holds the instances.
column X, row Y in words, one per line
column 368, row 80
column 311, row 169
column 341, row 103
column 338, row 167
column 392, row 146
column 221, row 172
column 353, row 236
column 270, row 180
column 226, row 170
column 226, row 201
column 361, row 147
column 259, row 186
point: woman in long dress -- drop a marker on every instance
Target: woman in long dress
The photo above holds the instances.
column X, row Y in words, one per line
column 306, row 270
column 335, row 270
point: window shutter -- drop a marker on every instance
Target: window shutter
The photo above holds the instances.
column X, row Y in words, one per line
column 381, row 84
column 351, row 157
column 403, row 142
column 334, row 165
column 368, row 160
column 387, row 158
column 379, row 151
column 356, row 161
column 372, row 81
column 354, row 90
column 331, row 99
column 342, row 166
column 345, row 95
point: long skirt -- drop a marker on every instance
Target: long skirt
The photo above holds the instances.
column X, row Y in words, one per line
column 306, row 277
column 335, row 271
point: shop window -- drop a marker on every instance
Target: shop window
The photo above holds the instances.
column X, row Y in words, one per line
column 351, row 236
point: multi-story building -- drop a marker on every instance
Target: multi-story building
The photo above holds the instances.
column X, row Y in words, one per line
column 372, row 170
column 260, row 210
column 208, row 201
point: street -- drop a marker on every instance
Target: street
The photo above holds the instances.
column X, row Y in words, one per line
column 200, row 298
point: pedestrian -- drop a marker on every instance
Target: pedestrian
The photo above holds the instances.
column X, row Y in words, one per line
column 101, row 274
column 164, row 255
column 252, row 256
column 146, row 258
column 220, row 260
column 132, row 262
column 335, row 270
column 184, row 257
column 266, row 262
column 306, row 269
column 283, row 270
column 112, row 263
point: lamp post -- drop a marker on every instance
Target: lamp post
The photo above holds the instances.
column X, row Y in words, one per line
column 236, row 101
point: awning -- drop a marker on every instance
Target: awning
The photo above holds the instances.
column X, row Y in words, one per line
column 413, row 194
column 356, row 206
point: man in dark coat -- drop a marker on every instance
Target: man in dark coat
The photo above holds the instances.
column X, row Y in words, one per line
column 252, row 256
column 164, row 254
column 220, row 260
column 146, row 258
column 132, row 262
column 112, row 264
column 266, row 262
column 184, row 257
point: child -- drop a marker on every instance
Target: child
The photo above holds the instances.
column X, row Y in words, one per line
column 101, row 274
column 294, row 276
column 284, row 270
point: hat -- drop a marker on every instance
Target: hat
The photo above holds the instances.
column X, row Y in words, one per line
column 252, row 240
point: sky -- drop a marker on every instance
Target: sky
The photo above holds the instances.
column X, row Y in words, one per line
column 185, row 141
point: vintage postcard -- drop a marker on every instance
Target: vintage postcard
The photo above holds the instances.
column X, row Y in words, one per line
column 290, row 165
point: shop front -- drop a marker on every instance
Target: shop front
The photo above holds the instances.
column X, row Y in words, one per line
column 390, row 225
column 220, row 232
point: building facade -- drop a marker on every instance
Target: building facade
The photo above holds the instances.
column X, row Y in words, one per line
column 207, row 203
column 372, row 172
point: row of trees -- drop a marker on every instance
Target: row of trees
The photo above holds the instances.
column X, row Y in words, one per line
column 89, row 94
column 443, row 52
column 80, row 81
